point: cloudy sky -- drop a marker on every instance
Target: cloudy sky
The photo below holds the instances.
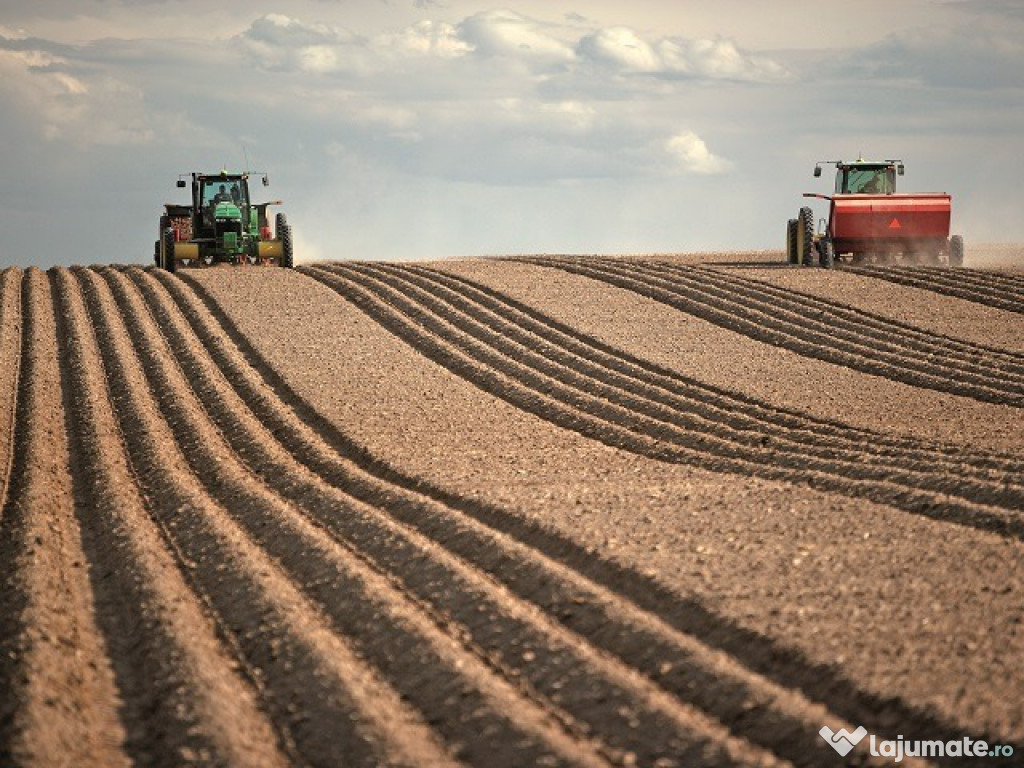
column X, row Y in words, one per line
column 401, row 129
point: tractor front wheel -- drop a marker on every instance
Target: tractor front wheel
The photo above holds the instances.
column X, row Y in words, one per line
column 805, row 237
column 791, row 242
column 826, row 253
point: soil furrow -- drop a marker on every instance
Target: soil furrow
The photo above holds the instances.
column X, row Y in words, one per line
column 524, row 645
column 984, row 289
column 10, row 363
column 334, row 704
column 763, row 439
column 184, row 702
column 727, row 407
column 504, row 631
column 1011, row 285
column 576, row 409
column 686, row 616
column 857, row 324
column 854, row 331
column 483, row 719
column 795, row 336
column 57, row 693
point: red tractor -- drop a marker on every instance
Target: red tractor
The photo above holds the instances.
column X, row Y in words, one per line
column 868, row 220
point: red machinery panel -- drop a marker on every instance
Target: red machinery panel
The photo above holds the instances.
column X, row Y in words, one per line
column 888, row 222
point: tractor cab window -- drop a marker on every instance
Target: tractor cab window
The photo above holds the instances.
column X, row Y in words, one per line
column 866, row 181
column 223, row 191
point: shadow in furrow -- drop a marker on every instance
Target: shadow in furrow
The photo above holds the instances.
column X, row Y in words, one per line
column 1004, row 292
column 13, row 547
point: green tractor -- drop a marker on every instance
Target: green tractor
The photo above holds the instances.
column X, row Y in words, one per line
column 221, row 226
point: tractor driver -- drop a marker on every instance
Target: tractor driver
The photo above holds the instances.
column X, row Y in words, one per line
column 871, row 186
column 222, row 195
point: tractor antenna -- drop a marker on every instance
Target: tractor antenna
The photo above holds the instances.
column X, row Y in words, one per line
column 246, row 156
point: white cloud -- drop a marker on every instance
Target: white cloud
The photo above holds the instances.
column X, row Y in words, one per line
column 428, row 38
column 693, row 156
column 279, row 42
column 622, row 49
column 507, row 33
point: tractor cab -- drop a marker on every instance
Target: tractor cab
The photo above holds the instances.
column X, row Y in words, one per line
column 863, row 177
column 219, row 198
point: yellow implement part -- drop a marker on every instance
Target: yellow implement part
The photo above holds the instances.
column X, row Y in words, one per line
column 187, row 252
column 271, row 249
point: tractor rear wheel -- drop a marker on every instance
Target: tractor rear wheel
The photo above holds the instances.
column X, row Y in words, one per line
column 956, row 251
column 287, row 249
column 283, row 232
column 805, row 237
column 791, row 242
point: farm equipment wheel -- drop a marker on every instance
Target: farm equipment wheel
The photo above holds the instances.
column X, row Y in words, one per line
column 169, row 263
column 956, row 251
column 791, row 242
column 826, row 253
column 283, row 232
column 165, row 222
column 805, row 237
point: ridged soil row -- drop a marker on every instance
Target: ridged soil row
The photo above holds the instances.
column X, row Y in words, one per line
column 585, row 407
column 548, row 572
column 669, row 400
column 857, row 324
column 329, row 704
column 57, row 693
column 591, row 694
column 934, row 353
column 988, row 288
column 809, row 336
column 10, row 362
column 741, row 412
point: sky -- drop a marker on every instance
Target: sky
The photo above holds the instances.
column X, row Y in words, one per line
column 419, row 129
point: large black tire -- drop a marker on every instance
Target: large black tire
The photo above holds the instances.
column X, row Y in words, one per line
column 165, row 223
column 283, row 232
column 826, row 253
column 805, row 237
column 168, row 252
column 287, row 250
column 791, row 242
column 956, row 251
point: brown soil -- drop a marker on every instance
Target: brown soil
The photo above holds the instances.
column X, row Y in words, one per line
column 664, row 510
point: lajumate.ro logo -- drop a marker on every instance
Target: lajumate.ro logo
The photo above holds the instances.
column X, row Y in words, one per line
column 843, row 742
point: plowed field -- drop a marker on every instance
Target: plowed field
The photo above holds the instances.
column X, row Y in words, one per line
column 662, row 511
